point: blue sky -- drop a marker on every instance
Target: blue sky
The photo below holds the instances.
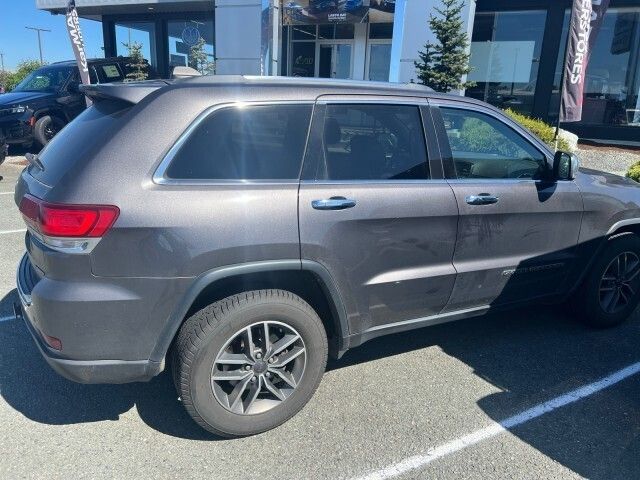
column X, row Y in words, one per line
column 17, row 43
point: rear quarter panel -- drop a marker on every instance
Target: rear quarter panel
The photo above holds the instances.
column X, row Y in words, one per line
column 178, row 231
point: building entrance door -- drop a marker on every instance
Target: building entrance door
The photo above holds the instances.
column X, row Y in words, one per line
column 335, row 60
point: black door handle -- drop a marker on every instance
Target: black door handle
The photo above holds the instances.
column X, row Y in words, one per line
column 333, row 203
column 481, row 199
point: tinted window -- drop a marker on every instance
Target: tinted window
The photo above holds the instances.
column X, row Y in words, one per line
column 373, row 142
column 248, row 143
column 77, row 142
column 484, row 147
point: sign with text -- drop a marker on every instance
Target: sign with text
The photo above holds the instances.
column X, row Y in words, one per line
column 304, row 12
column 586, row 20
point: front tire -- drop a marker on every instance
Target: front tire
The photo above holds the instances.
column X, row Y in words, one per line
column 250, row 362
column 46, row 128
column 611, row 291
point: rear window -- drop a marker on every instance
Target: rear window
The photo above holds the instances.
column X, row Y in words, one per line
column 109, row 72
column 76, row 141
column 263, row 142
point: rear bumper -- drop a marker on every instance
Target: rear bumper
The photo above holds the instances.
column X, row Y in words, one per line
column 81, row 371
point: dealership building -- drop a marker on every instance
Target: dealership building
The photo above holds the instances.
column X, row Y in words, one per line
column 517, row 46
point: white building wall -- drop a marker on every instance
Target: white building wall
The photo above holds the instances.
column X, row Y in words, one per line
column 238, row 31
column 411, row 32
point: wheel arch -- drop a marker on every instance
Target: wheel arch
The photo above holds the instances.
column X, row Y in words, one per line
column 309, row 280
column 50, row 110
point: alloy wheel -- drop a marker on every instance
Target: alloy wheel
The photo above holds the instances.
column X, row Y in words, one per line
column 619, row 282
column 258, row 368
column 51, row 129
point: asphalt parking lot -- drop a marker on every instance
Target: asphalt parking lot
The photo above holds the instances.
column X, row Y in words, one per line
column 401, row 405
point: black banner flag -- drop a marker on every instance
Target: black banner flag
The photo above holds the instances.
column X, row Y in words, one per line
column 586, row 20
column 77, row 42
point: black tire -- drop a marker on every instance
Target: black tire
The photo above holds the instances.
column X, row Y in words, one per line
column 206, row 334
column 46, row 128
column 589, row 299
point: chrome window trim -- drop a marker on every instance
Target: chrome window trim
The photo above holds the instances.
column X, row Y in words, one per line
column 355, row 183
column 368, row 99
column 159, row 177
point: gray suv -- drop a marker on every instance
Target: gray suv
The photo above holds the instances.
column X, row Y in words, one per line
column 239, row 230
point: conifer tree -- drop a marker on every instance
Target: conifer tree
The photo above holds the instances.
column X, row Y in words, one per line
column 443, row 64
column 138, row 66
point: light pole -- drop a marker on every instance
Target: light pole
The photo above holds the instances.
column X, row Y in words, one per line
column 39, row 30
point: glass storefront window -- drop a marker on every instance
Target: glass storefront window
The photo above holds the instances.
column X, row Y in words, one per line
column 144, row 33
column 505, row 56
column 303, row 59
column 379, row 61
column 612, row 82
column 191, row 44
column 340, row 31
column 381, row 30
column 303, row 32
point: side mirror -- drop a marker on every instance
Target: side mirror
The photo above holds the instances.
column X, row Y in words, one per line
column 565, row 165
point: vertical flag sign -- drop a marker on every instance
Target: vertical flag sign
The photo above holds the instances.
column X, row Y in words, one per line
column 77, row 42
column 586, row 20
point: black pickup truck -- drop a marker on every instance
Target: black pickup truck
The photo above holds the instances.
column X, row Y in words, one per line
column 49, row 98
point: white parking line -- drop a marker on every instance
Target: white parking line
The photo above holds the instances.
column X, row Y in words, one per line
column 419, row 461
column 7, row 319
column 19, row 230
column 7, row 193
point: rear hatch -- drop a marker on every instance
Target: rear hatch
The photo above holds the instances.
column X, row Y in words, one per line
column 44, row 184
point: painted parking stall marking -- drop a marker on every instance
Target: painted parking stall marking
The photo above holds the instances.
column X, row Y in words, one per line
column 486, row 433
column 18, row 230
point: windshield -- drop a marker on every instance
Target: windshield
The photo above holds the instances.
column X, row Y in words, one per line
column 47, row 79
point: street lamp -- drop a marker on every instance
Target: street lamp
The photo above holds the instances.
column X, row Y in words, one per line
column 39, row 30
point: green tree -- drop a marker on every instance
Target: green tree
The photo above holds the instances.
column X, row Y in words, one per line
column 138, row 68
column 11, row 79
column 443, row 64
column 200, row 60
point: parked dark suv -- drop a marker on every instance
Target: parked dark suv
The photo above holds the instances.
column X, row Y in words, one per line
column 48, row 98
column 241, row 229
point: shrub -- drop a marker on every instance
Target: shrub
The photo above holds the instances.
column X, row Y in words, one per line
column 10, row 80
column 543, row 131
column 634, row 172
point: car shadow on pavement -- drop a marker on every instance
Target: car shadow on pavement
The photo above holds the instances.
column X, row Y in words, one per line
column 31, row 387
column 532, row 356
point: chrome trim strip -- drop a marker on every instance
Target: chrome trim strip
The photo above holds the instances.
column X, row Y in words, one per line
column 439, row 316
column 370, row 99
column 623, row 223
column 159, row 177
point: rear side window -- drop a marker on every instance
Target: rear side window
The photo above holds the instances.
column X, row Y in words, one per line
column 260, row 142
column 373, row 142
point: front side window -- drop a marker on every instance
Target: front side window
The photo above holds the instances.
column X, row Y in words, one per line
column 484, row 147
column 373, row 142
column 264, row 142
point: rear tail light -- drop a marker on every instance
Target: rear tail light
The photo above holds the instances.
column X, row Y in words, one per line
column 70, row 228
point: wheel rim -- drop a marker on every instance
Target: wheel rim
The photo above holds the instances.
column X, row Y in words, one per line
column 51, row 129
column 618, row 284
column 258, row 368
